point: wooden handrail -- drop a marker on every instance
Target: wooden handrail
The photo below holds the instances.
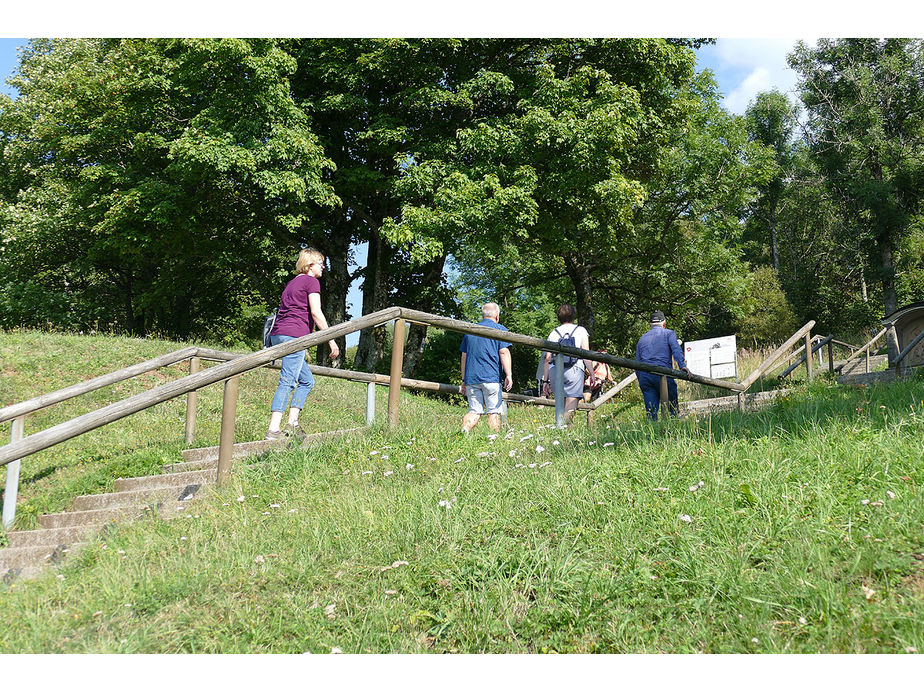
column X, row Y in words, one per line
column 863, row 348
column 556, row 348
column 907, row 350
column 615, row 390
column 379, row 379
column 126, row 407
column 46, row 400
column 798, row 363
column 776, row 355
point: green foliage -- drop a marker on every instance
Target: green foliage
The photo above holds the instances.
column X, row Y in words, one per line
column 764, row 315
column 165, row 177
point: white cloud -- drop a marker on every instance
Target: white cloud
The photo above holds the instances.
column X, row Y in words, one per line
column 762, row 61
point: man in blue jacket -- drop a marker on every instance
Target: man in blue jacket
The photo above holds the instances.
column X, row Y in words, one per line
column 657, row 347
column 483, row 359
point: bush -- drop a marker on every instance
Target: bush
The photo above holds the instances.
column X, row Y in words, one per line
column 765, row 315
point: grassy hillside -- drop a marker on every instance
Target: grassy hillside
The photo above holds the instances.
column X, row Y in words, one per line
column 796, row 529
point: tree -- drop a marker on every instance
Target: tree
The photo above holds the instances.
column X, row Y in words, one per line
column 771, row 120
column 167, row 177
column 865, row 104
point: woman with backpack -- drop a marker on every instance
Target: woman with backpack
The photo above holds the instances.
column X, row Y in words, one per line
column 568, row 334
column 299, row 315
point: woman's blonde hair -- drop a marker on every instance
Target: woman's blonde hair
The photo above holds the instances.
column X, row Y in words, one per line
column 306, row 258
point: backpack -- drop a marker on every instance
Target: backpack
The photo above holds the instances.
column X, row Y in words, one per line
column 567, row 340
column 268, row 326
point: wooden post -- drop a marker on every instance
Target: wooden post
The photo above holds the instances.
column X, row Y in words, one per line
column 808, row 357
column 194, row 364
column 590, row 418
column 665, row 405
column 741, row 401
column 11, row 490
column 867, row 359
column 226, row 438
column 397, row 361
column 370, row 403
column 559, row 391
column 831, row 356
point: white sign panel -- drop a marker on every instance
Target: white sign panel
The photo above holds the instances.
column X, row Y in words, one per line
column 713, row 358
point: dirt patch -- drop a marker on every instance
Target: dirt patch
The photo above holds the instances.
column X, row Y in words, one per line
column 914, row 583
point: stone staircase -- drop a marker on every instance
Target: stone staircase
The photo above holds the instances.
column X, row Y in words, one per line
column 164, row 495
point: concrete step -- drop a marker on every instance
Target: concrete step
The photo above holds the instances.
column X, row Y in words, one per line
column 239, row 450
column 140, row 483
column 136, row 499
column 89, row 517
column 752, row 400
column 50, row 537
column 257, row 447
column 16, row 558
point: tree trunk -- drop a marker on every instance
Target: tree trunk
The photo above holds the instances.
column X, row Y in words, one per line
column 371, row 346
column 417, row 334
column 335, row 285
column 579, row 274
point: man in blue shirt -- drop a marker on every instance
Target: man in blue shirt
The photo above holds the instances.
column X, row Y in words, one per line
column 657, row 347
column 482, row 360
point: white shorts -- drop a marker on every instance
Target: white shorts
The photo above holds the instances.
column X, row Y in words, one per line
column 484, row 397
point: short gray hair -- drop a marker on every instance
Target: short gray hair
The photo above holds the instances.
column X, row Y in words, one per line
column 490, row 310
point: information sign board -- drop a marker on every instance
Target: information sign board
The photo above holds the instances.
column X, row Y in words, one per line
column 713, row 358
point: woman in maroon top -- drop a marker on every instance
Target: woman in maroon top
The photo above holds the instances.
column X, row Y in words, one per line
column 299, row 314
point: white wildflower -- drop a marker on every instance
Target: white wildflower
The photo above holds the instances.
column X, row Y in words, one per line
column 388, row 473
column 544, row 464
column 865, row 501
column 385, row 457
column 446, row 504
column 274, row 505
column 336, row 650
column 492, row 437
column 662, row 488
column 409, row 466
column 802, row 620
column 593, row 442
column 539, row 448
column 608, row 445
column 696, row 487
column 240, row 499
column 366, row 472
column 686, row 518
column 512, row 453
column 526, row 437
column 555, row 442
column 890, row 495
column 329, row 610
column 868, row 592
column 459, row 460
column 391, row 592
column 532, row 466
column 755, row 641
column 486, row 453
column 374, row 452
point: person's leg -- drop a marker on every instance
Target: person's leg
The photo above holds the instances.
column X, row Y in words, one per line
column 475, row 396
column 493, row 403
column 651, row 392
column 288, row 376
column 305, row 386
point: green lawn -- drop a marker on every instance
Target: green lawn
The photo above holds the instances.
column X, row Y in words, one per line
column 799, row 528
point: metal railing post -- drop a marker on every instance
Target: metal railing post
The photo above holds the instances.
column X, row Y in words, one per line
column 11, row 490
column 867, row 359
column 808, row 357
column 370, row 403
column 559, row 391
column 831, row 356
column 226, row 438
column 397, row 361
column 194, row 364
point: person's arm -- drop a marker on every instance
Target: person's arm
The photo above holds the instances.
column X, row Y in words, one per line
column 583, row 342
column 508, row 372
column 320, row 322
column 463, row 373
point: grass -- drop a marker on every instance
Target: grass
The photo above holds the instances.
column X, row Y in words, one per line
column 806, row 534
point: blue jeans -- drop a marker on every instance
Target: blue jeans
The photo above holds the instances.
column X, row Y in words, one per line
column 651, row 391
column 295, row 375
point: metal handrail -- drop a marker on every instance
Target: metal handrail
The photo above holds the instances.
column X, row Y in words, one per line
column 798, row 363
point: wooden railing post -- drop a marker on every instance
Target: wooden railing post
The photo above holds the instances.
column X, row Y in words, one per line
column 559, row 391
column 370, row 403
column 397, row 361
column 665, row 405
column 808, row 356
column 11, row 490
column 226, row 438
column 194, row 364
